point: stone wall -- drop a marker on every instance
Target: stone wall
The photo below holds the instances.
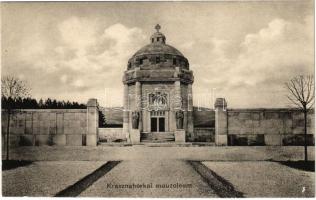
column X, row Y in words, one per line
column 268, row 127
column 46, row 127
column 261, row 126
column 36, row 127
column 111, row 135
column 204, row 134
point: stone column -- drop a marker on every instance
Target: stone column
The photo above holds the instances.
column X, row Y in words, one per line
column 190, row 112
column 176, row 102
column 138, row 106
column 179, row 134
column 92, row 122
column 221, row 129
column 177, row 96
column 135, row 133
column 126, row 113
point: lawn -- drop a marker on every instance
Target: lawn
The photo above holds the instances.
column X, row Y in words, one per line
column 266, row 179
column 44, row 178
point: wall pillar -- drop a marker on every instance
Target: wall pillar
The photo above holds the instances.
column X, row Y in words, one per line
column 92, row 122
column 138, row 102
column 126, row 113
column 221, row 129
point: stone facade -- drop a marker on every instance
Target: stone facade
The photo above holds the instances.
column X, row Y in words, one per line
column 157, row 84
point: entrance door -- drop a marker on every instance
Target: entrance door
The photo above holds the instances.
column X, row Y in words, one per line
column 161, row 127
column 154, row 125
column 157, row 121
column 157, row 124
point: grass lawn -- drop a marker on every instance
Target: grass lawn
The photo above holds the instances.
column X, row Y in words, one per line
column 266, row 179
column 44, row 178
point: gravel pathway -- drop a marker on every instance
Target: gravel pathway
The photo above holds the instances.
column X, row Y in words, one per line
column 154, row 174
column 265, row 179
column 45, row 178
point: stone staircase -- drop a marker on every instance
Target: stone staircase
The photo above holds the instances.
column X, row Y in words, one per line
column 157, row 137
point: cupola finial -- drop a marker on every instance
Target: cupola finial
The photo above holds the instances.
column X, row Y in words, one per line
column 157, row 27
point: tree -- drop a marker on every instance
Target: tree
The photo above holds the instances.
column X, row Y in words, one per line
column 54, row 104
column 13, row 89
column 102, row 120
column 47, row 103
column 41, row 103
column 302, row 93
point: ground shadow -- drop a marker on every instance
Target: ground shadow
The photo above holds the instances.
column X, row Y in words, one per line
column 300, row 165
column 75, row 189
column 12, row 164
column 220, row 186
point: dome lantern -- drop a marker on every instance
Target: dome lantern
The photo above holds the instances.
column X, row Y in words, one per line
column 158, row 37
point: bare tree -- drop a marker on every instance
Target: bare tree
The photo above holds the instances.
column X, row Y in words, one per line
column 302, row 93
column 12, row 88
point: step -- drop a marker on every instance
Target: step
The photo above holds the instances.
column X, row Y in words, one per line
column 157, row 137
column 176, row 144
column 151, row 143
column 158, row 140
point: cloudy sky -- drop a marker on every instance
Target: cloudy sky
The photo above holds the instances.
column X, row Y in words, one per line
column 76, row 51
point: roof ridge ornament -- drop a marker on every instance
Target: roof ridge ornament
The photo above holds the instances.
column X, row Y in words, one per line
column 157, row 27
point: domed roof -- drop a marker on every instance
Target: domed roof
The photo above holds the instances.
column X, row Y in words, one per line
column 158, row 46
column 158, row 49
column 158, row 62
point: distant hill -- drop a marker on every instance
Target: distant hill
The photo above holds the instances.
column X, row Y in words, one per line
column 203, row 117
column 113, row 115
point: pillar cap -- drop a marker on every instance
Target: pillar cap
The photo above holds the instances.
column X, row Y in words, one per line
column 220, row 103
column 92, row 103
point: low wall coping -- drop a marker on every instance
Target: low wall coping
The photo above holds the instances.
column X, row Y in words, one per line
column 109, row 128
column 264, row 109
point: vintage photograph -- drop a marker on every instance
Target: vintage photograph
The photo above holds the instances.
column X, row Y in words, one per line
column 158, row 99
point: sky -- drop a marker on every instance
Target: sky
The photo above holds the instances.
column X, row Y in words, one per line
column 243, row 51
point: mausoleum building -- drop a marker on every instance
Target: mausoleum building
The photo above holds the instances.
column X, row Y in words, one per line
column 158, row 93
